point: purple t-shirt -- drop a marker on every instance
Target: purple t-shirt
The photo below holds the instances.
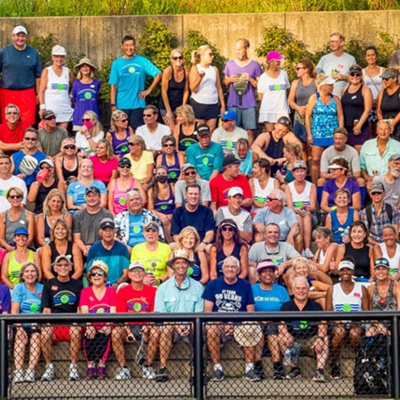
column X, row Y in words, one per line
column 5, row 299
column 330, row 187
column 86, row 98
column 248, row 99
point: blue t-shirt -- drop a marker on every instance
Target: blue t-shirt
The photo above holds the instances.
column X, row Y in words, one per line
column 117, row 259
column 29, row 303
column 269, row 300
column 77, row 191
column 229, row 298
column 86, row 98
column 19, row 69
column 205, row 160
column 129, row 74
column 5, row 299
column 17, row 158
column 136, row 235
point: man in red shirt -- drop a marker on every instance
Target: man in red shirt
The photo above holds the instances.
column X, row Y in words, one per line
column 230, row 177
column 12, row 131
column 135, row 298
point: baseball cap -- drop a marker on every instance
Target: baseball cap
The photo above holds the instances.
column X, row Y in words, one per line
column 48, row 162
column 19, row 29
column 124, row 161
column 335, row 166
column 274, row 56
column 377, row 188
column 187, row 166
column 381, row 262
column 390, row 73
column 99, row 264
column 134, row 265
column 394, row 157
column 327, row 81
column 58, row 50
column 345, row 264
column 263, row 264
column 228, row 222
column 233, row 191
column 48, row 114
column 355, row 68
column 107, row 223
column 203, row 130
column 230, row 115
column 62, row 257
column 230, row 159
column 92, row 189
column 21, row 231
column 151, row 225
column 299, row 164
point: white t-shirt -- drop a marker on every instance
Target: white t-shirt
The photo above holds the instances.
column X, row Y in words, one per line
column 7, row 184
column 153, row 140
column 82, row 142
column 330, row 63
column 228, row 140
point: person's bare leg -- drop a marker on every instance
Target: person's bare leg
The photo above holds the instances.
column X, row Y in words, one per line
column 166, row 343
column 47, row 337
column 20, row 343
column 75, row 337
column 213, row 343
column 118, row 336
column 154, row 342
column 34, row 351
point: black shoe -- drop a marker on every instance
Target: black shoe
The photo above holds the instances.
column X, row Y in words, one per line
column 259, row 369
column 218, row 375
column 294, row 373
column 335, row 371
column 163, row 375
column 278, row 371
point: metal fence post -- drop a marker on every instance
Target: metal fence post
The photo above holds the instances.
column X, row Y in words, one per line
column 3, row 360
column 198, row 360
column 395, row 356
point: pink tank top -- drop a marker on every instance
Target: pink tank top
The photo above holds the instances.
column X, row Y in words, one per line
column 120, row 197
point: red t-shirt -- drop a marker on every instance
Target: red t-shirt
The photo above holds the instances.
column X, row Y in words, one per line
column 13, row 136
column 136, row 301
column 103, row 171
column 219, row 187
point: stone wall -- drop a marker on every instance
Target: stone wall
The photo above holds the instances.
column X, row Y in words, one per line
column 99, row 37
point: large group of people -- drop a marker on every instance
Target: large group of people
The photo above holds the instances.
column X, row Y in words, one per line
column 169, row 211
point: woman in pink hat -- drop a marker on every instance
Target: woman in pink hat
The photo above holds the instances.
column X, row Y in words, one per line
column 272, row 90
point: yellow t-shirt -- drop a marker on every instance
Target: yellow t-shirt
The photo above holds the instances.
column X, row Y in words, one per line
column 139, row 168
column 155, row 261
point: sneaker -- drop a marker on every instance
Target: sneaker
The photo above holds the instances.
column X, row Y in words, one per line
column 48, row 374
column 278, row 371
column 258, row 367
column 335, row 371
column 123, row 374
column 218, row 375
column 73, row 372
column 319, row 377
column 294, row 373
column 251, row 375
column 90, row 373
column 307, row 253
column 29, row 375
column 148, row 372
column 163, row 375
column 101, row 373
column 18, row 376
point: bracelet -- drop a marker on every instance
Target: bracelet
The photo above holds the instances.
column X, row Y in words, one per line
column 42, row 107
column 88, row 137
column 113, row 105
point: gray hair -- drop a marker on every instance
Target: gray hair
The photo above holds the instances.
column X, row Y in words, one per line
column 300, row 279
column 25, row 266
column 383, row 121
column 280, row 195
column 133, row 192
column 234, row 259
column 300, row 260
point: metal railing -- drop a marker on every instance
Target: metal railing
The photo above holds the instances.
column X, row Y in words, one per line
column 199, row 382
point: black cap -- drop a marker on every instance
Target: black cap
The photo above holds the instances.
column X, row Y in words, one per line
column 48, row 114
column 107, row 223
column 230, row 159
column 92, row 189
column 124, row 161
column 203, row 130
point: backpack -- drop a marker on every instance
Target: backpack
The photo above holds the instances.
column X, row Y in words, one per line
column 370, row 370
column 368, row 212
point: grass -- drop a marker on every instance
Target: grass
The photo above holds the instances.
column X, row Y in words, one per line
column 42, row 8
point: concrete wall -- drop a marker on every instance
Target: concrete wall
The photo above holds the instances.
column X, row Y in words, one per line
column 99, row 37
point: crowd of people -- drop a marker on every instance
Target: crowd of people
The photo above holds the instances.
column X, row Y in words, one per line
column 170, row 211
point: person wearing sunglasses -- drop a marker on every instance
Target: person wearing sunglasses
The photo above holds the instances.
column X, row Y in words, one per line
column 26, row 161
column 67, row 166
column 12, row 130
column 90, row 133
column 189, row 174
column 97, row 298
column 185, row 131
column 174, row 88
column 51, row 136
column 119, row 133
column 127, row 91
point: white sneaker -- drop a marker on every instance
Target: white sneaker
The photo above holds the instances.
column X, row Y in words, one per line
column 123, row 374
column 18, row 376
column 29, row 375
column 48, row 374
column 148, row 373
column 73, row 372
column 308, row 253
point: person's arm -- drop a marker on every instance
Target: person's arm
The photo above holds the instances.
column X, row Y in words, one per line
column 30, row 222
column 205, row 273
column 213, row 263
column 3, row 241
column 339, row 108
column 78, row 262
column 378, row 105
column 294, row 231
column 59, row 173
column 166, row 77
column 328, row 299
column 195, row 78
column 186, row 89
column 40, row 220
column 113, row 97
column 244, row 262
column 220, row 92
column 356, row 200
column 292, row 99
column 79, row 242
column 208, row 306
column 261, row 143
column 309, row 111
column 324, row 202
column 110, row 205
column 42, row 88
column 33, row 192
column 144, row 93
column 4, row 271
column 46, row 262
column 365, row 303
column 149, row 176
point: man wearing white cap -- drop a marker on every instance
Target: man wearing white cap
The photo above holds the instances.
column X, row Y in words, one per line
column 20, row 69
column 337, row 63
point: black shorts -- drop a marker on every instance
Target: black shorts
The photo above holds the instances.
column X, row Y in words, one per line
column 205, row 111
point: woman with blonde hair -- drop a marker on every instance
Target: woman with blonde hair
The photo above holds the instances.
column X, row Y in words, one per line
column 185, row 131
column 54, row 208
column 67, row 165
column 189, row 240
column 325, row 258
column 105, row 164
column 174, row 88
column 90, row 134
column 205, row 85
column 119, row 133
column 292, row 153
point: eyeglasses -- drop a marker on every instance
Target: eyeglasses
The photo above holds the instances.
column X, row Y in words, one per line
column 125, row 166
column 298, row 68
column 385, row 79
column 132, row 144
column 355, row 74
column 136, row 270
column 12, row 113
column 168, row 145
column 50, row 118
column 227, row 229
column 272, row 198
column 147, row 115
column 44, row 167
column 190, row 173
column 226, row 120
column 30, row 139
column 69, row 147
column 124, row 120
column 15, row 196
column 177, row 58
column 97, row 273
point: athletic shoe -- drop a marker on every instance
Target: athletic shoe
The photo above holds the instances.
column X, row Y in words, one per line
column 163, row 375
column 101, row 373
column 335, row 371
column 90, row 373
column 294, row 373
column 123, row 374
column 73, row 372
column 319, row 377
column 258, row 367
column 148, row 372
column 251, row 375
column 307, row 253
column 278, row 371
column 48, row 374
column 218, row 375
column 29, row 375
column 18, row 376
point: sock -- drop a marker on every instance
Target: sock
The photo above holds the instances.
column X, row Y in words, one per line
column 218, row 366
column 320, row 370
column 249, row 366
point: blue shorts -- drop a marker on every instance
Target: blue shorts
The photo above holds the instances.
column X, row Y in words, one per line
column 246, row 117
column 135, row 117
column 323, row 142
column 300, row 131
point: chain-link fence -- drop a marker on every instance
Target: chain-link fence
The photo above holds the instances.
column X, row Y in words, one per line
column 240, row 357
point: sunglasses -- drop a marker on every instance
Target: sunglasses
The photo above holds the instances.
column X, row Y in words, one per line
column 147, row 115
column 177, row 58
column 298, row 68
column 355, row 74
column 49, row 118
column 227, row 229
column 43, row 167
column 125, row 166
column 225, row 120
column 30, row 139
column 86, row 120
column 69, row 147
column 385, row 79
column 12, row 113
column 272, row 198
column 168, row 145
column 124, row 120
column 132, row 144
column 190, row 173
column 97, row 273
column 15, row 196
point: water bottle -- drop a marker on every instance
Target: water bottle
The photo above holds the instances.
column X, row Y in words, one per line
column 287, row 357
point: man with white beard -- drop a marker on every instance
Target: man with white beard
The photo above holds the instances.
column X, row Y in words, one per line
column 391, row 181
